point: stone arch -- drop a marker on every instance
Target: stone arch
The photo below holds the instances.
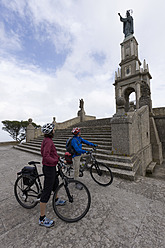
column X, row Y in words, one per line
column 127, row 92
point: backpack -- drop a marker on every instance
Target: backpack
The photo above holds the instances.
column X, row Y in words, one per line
column 69, row 147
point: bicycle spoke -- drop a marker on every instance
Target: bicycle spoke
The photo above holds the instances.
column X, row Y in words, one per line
column 74, row 210
column 101, row 174
column 26, row 195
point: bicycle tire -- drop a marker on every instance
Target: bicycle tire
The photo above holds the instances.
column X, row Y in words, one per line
column 26, row 195
column 76, row 210
column 101, row 174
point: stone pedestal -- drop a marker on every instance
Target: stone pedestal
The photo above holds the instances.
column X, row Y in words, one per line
column 120, row 129
column 131, row 137
column 81, row 113
column 30, row 131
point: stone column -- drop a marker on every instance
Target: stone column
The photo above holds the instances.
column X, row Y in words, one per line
column 138, row 95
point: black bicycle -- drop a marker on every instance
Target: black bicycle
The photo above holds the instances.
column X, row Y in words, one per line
column 28, row 189
column 99, row 171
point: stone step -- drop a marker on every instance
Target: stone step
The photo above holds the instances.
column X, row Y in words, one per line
column 98, row 132
column 129, row 175
column 150, row 168
column 86, row 137
column 62, row 148
column 63, row 141
column 118, row 172
column 63, row 144
column 33, row 151
column 100, row 157
column 85, row 130
column 119, row 165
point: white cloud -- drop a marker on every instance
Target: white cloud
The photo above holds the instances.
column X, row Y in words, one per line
column 84, row 30
column 9, row 40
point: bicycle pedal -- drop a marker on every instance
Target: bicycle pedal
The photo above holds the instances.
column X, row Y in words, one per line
column 81, row 174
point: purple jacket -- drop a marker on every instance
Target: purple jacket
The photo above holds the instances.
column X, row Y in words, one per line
column 49, row 153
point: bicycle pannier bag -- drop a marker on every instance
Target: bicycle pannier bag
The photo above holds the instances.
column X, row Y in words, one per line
column 29, row 174
column 68, row 158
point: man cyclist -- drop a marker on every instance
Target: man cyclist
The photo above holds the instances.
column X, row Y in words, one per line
column 76, row 143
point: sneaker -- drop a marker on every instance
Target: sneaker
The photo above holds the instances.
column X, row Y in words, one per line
column 37, row 200
column 60, row 202
column 46, row 222
column 79, row 186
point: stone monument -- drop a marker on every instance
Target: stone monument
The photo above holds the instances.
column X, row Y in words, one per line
column 132, row 123
column 127, row 23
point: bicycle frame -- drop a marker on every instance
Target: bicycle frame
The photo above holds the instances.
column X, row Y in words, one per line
column 28, row 196
column 93, row 159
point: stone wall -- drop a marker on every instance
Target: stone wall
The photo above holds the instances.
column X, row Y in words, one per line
column 159, row 111
column 73, row 122
column 96, row 122
column 68, row 123
column 8, row 143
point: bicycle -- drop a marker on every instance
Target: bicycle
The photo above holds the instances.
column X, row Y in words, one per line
column 99, row 171
column 28, row 189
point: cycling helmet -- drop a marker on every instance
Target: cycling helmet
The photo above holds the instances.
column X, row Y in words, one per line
column 47, row 128
column 76, row 130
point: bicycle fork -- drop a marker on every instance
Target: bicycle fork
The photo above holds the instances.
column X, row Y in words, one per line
column 99, row 172
column 70, row 197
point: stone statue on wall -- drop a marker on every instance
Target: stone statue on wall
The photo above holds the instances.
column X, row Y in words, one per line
column 81, row 106
column 127, row 24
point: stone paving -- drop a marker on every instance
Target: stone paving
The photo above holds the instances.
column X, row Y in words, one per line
column 123, row 215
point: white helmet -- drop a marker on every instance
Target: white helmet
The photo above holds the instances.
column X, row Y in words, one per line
column 47, row 128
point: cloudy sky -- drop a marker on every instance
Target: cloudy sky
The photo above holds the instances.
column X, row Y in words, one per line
column 55, row 52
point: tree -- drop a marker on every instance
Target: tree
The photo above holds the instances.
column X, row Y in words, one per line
column 16, row 129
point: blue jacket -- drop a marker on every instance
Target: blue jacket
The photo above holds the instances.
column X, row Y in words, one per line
column 77, row 145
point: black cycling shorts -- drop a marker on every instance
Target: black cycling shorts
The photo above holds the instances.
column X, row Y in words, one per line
column 51, row 182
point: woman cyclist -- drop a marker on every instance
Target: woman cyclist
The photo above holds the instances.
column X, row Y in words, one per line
column 49, row 160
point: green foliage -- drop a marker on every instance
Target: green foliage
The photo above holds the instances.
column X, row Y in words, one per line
column 16, row 129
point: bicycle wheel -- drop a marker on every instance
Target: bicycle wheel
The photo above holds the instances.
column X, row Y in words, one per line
column 26, row 195
column 101, row 174
column 77, row 201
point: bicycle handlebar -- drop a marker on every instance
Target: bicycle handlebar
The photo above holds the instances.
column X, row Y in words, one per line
column 92, row 150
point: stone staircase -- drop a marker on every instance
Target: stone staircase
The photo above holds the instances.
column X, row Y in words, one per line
column 97, row 132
